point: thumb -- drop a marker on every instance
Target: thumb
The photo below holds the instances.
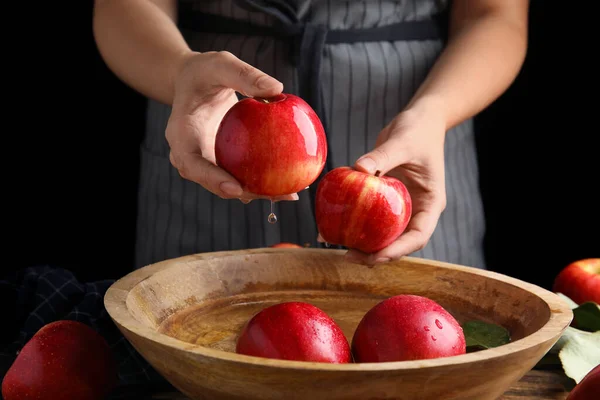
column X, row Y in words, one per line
column 383, row 158
column 244, row 78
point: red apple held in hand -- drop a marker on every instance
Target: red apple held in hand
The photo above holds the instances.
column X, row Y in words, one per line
column 361, row 211
column 580, row 281
column 64, row 360
column 294, row 331
column 407, row 327
column 588, row 388
column 274, row 146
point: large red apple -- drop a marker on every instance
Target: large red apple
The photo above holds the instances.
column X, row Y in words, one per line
column 580, row 281
column 273, row 147
column 407, row 327
column 64, row 360
column 361, row 211
column 294, row 331
column 588, row 388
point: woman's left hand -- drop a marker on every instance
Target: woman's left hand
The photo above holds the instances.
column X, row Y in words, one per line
column 411, row 148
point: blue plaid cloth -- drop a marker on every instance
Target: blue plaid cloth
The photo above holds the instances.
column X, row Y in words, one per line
column 35, row 296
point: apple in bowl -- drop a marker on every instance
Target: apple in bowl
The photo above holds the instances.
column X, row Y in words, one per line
column 273, row 147
column 407, row 327
column 361, row 211
column 286, row 245
column 294, row 330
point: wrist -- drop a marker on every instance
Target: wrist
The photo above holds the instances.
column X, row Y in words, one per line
column 431, row 107
column 181, row 61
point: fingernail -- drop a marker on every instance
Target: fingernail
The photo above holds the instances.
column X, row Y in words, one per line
column 245, row 201
column 367, row 164
column 353, row 259
column 382, row 260
column 295, row 196
column 266, row 82
column 230, row 188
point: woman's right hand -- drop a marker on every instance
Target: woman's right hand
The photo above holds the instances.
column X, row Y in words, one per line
column 205, row 89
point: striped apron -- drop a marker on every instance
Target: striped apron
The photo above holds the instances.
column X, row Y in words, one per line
column 357, row 63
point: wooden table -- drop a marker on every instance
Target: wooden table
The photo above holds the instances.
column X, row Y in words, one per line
column 535, row 385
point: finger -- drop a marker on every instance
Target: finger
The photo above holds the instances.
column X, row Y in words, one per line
column 413, row 239
column 358, row 257
column 383, row 158
column 252, row 196
column 244, row 78
column 196, row 168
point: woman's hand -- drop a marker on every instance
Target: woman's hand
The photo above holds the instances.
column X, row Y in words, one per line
column 411, row 148
column 205, row 89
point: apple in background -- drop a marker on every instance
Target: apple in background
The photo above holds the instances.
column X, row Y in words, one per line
column 588, row 388
column 64, row 360
column 361, row 211
column 407, row 327
column 284, row 245
column 294, row 331
column 273, row 147
column 580, row 281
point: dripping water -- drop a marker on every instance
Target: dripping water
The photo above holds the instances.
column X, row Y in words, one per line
column 272, row 218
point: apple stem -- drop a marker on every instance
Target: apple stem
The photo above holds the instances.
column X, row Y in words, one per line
column 377, row 173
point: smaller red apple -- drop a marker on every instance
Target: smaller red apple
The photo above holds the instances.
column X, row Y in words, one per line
column 588, row 388
column 361, row 211
column 407, row 327
column 294, row 331
column 580, row 281
column 64, row 360
column 288, row 245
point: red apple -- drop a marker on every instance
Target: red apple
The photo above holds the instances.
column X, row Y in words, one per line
column 407, row 327
column 288, row 245
column 588, row 388
column 64, row 360
column 361, row 211
column 274, row 146
column 294, row 331
column 580, row 281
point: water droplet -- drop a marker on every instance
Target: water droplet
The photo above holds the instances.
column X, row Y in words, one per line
column 426, row 328
column 272, row 218
column 438, row 324
column 433, row 338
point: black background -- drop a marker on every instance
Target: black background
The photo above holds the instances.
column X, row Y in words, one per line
column 72, row 131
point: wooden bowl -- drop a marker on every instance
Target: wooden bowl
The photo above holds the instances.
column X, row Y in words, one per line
column 183, row 315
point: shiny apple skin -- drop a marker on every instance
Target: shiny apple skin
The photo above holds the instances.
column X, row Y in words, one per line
column 588, row 388
column 64, row 360
column 580, row 281
column 272, row 148
column 361, row 211
column 294, row 331
column 407, row 327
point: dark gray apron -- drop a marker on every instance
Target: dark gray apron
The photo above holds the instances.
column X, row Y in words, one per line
column 357, row 63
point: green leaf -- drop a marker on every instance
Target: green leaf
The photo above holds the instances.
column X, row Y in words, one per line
column 587, row 317
column 482, row 335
